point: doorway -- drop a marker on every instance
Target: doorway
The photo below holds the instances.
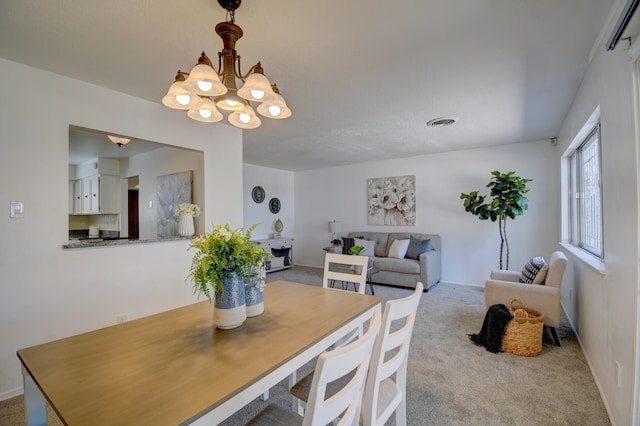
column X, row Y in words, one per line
column 133, row 220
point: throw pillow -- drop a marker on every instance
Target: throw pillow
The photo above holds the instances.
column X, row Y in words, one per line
column 369, row 247
column 347, row 243
column 417, row 246
column 534, row 271
column 398, row 249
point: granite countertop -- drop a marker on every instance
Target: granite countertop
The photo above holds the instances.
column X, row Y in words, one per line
column 102, row 242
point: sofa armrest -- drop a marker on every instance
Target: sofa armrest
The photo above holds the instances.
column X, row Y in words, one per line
column 545, row 299
column 430, row 267
column 502, row 275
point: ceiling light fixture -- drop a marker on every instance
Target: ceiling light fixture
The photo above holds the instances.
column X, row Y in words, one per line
column 203, row 91
column 118, row 140
column 442, row 121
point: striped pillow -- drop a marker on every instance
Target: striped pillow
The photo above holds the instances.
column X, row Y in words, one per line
column 534, row 271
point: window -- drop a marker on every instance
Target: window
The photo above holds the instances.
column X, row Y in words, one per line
column 586, row 190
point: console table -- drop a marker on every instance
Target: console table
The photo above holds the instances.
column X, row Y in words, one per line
column 282, row 251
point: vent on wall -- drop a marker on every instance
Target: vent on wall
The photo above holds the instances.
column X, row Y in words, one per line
column 622, row 23
column 442, row 121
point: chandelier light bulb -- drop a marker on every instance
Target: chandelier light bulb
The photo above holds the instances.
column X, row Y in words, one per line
column 244, row 117
column 205, row 86
column 274, row 110
column 257, row 94
column 183, row 99
column 205, row 113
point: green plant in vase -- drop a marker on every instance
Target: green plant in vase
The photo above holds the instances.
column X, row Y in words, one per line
column 221, row 253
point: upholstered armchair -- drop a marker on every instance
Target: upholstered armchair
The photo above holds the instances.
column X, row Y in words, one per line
column 545, row 297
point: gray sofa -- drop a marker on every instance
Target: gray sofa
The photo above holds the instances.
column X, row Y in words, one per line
column 403, row 272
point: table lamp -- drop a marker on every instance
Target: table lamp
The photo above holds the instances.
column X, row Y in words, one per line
column 335, row 228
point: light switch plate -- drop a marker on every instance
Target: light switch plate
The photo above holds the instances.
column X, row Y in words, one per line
column 16, row 210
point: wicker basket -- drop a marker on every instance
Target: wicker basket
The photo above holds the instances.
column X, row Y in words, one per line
column 523, row 334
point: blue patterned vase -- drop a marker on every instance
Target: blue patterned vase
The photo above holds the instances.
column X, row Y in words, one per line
column 253, row 298
column 229, row 307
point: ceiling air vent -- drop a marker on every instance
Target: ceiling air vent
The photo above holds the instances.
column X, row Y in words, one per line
column 442, row 121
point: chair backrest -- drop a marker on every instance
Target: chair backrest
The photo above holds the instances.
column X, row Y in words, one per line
column 345, row 268
column 394, row 338
column 557, row 264
column 333, row 365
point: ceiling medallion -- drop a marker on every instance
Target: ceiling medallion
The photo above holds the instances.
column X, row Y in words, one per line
column 205, row 93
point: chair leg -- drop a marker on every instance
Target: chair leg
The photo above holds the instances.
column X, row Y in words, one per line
column 554, row 334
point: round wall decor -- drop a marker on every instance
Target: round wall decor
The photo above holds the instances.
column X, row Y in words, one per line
column 257, row 194
column 274, row 205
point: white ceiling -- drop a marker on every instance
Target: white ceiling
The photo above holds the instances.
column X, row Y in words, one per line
column 362, row 77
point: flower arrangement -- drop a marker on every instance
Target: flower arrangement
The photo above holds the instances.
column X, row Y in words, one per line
column 219, row 254
column 186, row 208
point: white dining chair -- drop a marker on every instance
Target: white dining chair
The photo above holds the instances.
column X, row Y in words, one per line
column 351, row 361
column 385, row 390
column 346, row 268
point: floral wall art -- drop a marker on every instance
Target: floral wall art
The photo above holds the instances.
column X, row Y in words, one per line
column 392, row 200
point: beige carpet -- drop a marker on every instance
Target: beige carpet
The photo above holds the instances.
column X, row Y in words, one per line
column 453, row 382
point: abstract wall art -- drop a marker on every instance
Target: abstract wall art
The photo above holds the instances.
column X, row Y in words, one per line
column 172, row 190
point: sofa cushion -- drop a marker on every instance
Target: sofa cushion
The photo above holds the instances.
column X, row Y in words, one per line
column 534, row 271
column 347, row 243
column 369, row 247
column 417, row 246
column 398, row 249
column 404, row 266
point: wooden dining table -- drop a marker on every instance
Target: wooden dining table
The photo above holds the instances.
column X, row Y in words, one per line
column 176, row 368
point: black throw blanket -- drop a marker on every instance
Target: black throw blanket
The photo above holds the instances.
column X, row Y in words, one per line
column 495, row 321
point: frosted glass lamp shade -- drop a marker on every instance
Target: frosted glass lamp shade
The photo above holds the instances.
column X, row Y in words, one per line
column 230, row 101
column 179, row 97
column 275, row 109
column 204, row 81
column 245, row 118
column 207, row 112
column 257, row 88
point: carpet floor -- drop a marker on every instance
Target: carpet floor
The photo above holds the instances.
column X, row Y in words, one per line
column 451, row 381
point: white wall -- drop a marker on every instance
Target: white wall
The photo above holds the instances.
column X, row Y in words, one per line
column 470, row 247
column 48, row 293
column 603, row 306
column 276, row 183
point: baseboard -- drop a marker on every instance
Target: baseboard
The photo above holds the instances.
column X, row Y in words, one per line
column 11, row 393
column 591, row 369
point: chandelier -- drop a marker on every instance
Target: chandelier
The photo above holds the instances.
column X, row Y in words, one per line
column 204, row 91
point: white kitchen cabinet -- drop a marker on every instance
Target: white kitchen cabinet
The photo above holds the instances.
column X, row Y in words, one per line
column 96, row 194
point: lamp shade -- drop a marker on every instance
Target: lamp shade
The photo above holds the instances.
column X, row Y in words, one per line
column 257, row 87
column 230, row 101
column 276, row 108
column 206, row 112
column 335, row 227
column 245, row 118
column 179, row 97
column 203, row 79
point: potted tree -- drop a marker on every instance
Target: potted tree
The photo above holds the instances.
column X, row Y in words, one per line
column 508, row 201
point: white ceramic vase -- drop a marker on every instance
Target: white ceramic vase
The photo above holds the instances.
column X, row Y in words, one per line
column 186, row 227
